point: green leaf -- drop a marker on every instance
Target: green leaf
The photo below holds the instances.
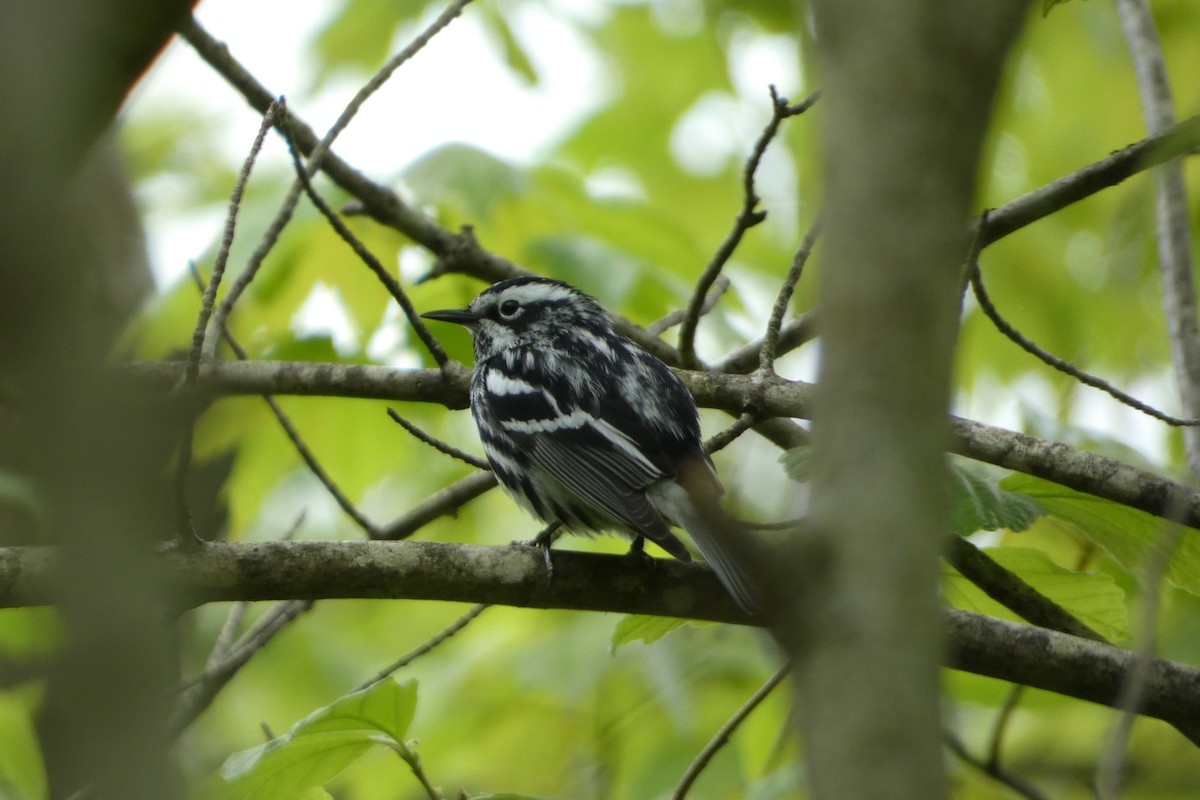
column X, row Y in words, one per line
column 316, row 793
column 797, row 463
column 30, row 634
column 1095, row 598
column 1125, row 533
column 319, row 746
column 642, row 628
column 22, row 773
column 288, row 768
column 465, row 179
column 514, row 54
column 978, row 503
column 358, row 37
column 1048, row 5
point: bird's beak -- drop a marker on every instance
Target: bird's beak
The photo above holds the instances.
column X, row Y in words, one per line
column 461, row 316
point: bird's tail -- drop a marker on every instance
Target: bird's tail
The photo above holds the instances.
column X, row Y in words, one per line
column 692, row 502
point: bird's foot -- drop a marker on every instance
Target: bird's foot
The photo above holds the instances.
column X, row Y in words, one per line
column 545, row 540
column 637, row 552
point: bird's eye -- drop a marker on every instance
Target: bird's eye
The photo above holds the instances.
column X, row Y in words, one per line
column 509, row 307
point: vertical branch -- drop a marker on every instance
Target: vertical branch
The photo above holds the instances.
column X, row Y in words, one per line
column 100, row 452
column 748, row 216
column 766, row 354
column 908, row 90
column 1173, row 234
column 1183, row 326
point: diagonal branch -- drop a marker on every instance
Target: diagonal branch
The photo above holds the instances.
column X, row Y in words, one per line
column 438, row 444
column 216, row 53
column 364, row 254
column 381, row 203
column 441, row 503
column 1182, row 139
column 214, row 282
column 748, row 216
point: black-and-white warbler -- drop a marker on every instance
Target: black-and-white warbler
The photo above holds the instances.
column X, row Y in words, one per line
column 585, row 428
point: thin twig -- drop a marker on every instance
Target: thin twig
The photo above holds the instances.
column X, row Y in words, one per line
column 214, row 281
column 792, row 334
column 314, row 466
column 993, row 771
column 747, row 218
column 412, row 655
column 410, row 756
column 215, row 54
column 438, row 444
column 200, row 692
column 227, row 635
column 186, row 534
column 1000, row 726
column 317, row 156
column 766, row 356
column 722, row 736
column 442, row 502
column 302, row 449
column 265, row 244
column 366, row 256
column 661, row 326
column 721, row 440
column 1066, row 367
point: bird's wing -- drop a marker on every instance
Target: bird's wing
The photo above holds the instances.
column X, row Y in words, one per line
column 564, row 432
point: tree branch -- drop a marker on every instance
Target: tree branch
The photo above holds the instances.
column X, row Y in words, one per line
column 516, row 576
column 772, row 396
column 1173, row 231
column 1183, row 139
column 1058, row 662
column 458, row 251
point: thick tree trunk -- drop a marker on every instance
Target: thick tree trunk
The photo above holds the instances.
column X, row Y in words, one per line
column 907, row 90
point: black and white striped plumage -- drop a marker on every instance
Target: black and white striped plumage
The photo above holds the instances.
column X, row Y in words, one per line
column 585, row 428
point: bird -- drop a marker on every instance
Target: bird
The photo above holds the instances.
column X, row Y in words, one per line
column 587, row 430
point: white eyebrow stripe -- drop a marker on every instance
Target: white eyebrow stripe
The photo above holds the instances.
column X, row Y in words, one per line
column 538, row 292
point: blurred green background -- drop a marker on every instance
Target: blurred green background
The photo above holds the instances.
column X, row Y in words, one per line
column 626, row 194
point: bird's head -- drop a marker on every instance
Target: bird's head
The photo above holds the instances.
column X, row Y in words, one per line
column 525, row 311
